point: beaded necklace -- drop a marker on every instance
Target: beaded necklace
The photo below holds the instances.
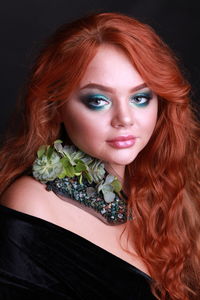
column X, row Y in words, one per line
column 82, row 180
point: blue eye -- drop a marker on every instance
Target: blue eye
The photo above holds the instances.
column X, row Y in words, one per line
column 96, row 102
column 141, row 99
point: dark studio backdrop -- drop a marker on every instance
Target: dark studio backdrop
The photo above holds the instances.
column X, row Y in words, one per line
column 26, row 23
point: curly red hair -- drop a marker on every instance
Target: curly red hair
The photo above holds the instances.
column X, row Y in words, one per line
column 163, row 181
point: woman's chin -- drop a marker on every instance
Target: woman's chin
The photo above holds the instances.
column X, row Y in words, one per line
column 118, row 162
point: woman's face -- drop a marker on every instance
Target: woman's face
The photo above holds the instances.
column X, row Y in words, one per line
column 112, row 114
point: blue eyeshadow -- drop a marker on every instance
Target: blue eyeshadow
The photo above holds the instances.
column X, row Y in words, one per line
column 89, row 101
column 145, row 95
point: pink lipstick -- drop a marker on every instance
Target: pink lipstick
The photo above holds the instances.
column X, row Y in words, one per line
column 121, row 142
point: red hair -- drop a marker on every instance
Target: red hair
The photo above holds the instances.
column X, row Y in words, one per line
column 163, row 181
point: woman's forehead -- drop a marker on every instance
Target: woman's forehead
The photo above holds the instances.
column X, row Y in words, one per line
column 110, row 67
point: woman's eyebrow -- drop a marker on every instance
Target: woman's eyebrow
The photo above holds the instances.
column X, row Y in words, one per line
column 109, row 89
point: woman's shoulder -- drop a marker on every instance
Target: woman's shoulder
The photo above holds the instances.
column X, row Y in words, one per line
column 27, row 195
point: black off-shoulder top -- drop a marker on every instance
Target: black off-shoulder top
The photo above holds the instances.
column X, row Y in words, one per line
column 40, row 260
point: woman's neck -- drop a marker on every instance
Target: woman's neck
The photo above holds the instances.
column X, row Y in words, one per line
column 117, row 170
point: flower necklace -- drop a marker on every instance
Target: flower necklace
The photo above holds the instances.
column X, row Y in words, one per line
column 81, row 180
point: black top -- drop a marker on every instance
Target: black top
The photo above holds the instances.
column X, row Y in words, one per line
column 40, row 260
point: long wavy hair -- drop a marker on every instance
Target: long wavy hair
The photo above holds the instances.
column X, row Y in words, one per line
column 163, row 181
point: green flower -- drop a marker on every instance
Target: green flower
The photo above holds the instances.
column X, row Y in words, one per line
column 69, row 152
column 109, row 187
column 78, row 163
column 95, row 171
column 47, row 168
column 58, row 162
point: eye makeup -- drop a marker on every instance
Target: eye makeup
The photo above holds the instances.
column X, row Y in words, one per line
column 95, row 101
column 142, row 98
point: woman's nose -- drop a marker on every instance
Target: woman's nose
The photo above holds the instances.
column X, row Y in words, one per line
column 122, row 116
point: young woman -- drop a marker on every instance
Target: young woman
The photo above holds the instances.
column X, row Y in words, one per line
column 107, row 127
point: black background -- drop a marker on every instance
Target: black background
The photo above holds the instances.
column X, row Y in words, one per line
column 26, row 23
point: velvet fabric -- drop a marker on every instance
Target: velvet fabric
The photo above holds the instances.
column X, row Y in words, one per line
column 40, row 260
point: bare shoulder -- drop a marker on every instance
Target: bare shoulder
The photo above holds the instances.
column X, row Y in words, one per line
column 27, row 195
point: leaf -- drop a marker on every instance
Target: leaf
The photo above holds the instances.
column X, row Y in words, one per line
column 80, row 167
column 58, row 147
column 58, row 142
column 100, row 186
column 77, row 173
column 67, row 152
column 77, row 155
column 87, row 160
column 89, row 178
column 62, row 174
column 109, row 179
column 64, row 161
column 116, row 185
column 107, row 188
column 41, row 151
column 96, row 170
column 49, row 152
column 69, row 169
column 80, row 179
column 108, row 196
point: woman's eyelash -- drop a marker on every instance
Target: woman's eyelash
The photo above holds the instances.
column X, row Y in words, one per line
column 141, row 99
column 96, row 102
column 101, row 102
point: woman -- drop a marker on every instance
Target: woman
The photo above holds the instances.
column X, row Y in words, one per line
column 108, row 128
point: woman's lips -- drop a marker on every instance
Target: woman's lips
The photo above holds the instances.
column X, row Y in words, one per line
column 121, row 142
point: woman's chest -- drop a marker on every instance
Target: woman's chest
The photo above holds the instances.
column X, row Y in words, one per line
column 114, row 239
